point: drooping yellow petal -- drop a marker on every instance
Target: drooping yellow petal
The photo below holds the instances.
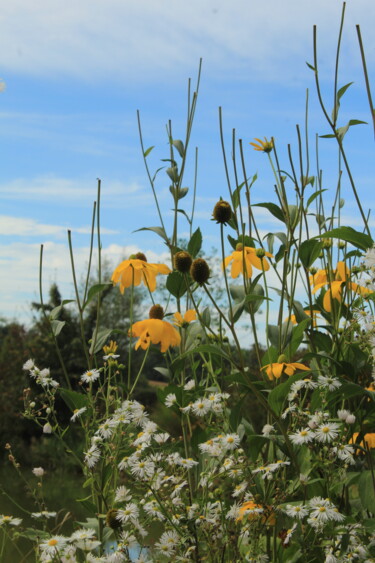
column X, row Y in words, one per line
column 190, row 315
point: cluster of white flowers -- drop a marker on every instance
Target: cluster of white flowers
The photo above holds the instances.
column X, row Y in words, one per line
column 318, row 511
column 41, row 376
column 220, row 445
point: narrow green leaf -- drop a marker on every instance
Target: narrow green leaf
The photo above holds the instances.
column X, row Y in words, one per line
column 158, row 230
column 314, row 196
column 366, row 491
column 179, row 145
column 57, row 327
column 272, row 208
column 147, row 151
column 195, row 243
column 94, row 290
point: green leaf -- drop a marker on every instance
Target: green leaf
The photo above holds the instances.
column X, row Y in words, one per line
column 278, row 395
column 297, row 336
column 57, row 327
column 73, row 399
column 179, row 145
column 94, row 290
column 147, row 151
column 99, row 339
column 339, row 95
column 173, row 173
column 366, row 491
column 195, row 243
column 314, row 196
column 348, row 234
column 57, row 310
column 341, row 131
column 309, row 251
column 176, row 284
column 34, row 534
column 237, row 195
column 273, row 208
column 232, row 242
column 311, row 66
column 206, row 349
column 158, row 230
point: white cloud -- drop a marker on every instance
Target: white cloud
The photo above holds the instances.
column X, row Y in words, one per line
column 19, row 271
column 50, row 188
column 21, row 226
column 144, row 39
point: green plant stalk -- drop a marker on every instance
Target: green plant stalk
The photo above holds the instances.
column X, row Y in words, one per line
column 90, row 253
column 80, row 310
column 49, row 323
column 130, row 329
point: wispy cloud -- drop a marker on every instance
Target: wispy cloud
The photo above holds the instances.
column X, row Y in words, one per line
column 144, row 39
column 50, row 188
column 26, row 227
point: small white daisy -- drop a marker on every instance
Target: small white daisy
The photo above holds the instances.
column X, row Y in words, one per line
column 90, row 376
column 327, row 432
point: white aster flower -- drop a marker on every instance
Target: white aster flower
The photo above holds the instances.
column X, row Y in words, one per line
column 77, row 413
column 83, row 534
column 29, row 365
column 43, row 514
column 9, row 520
column 327, row 432
column 122, row 494
column 129, row 513
column 54, row 545
column 170, row 400
column 230, row 441
column 296, row 511
column 345, row 453
column 92, row 456
column 329, row 382
column 370, row 258
column 161, row 438
column 189, row 385
column 38, row 471
column 142, row 468
column 302, row 437
column 201, row 407
column 267, row 429
column 90, row 376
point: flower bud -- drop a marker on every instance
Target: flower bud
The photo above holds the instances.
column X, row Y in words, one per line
column 199, row 271
column 222, row 212
column 182, row 261
column 156, row 312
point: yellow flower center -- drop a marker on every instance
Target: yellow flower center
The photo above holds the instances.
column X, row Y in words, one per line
column 52, row 542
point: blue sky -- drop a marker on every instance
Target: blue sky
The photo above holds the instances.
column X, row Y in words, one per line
column 75, row 74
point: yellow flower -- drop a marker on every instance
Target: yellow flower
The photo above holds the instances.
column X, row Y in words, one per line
column 307, row 312
column 188, row 317
column 156, row 331
column 264, row 146
column 137, row 269
column 335, row 286
column 368, row 440
column 244, row 258
column 275, row 370
column 267, row 516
